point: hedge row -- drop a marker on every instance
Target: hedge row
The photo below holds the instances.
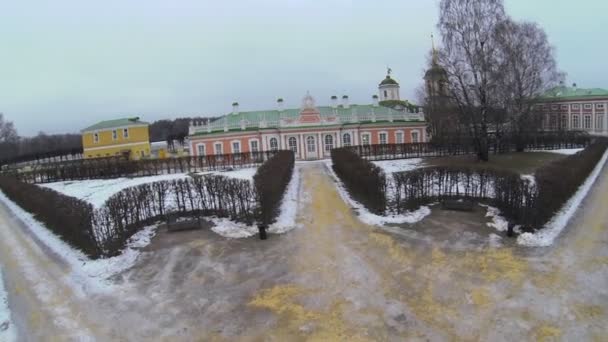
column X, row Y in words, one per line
column 103, row 232
column 464, row 145
column 365, row 181
column 559, row 180
column 114, row 167
column 506, row 190
column 530, row 204
column 271, row 180
column 68, row 217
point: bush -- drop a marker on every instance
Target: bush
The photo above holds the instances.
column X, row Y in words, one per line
column 68, row 217
column 558, row 181
column 270, row 181
column 364, row 181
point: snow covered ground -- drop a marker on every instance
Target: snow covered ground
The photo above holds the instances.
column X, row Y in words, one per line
column 7, row 329
column 566, row 151
column 398, row 165
column 97, row 191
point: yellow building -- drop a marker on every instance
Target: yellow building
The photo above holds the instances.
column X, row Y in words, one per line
column 128, row 137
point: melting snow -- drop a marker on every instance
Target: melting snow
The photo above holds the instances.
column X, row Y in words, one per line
column 7, row 329
column 566, row 151
column 546, row 235
column 398, row 165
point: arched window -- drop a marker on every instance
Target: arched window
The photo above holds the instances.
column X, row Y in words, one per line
column 293, row 144
column 346, row 139
column 385, row 94
column 310, row 144
column 329, row 142
column 274, row 144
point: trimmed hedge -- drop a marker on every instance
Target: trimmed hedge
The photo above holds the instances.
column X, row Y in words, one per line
column 68, row 217
column 103, row 232
column 103, row 168
column 558, row 181
column 271, row 180
column 364, row 181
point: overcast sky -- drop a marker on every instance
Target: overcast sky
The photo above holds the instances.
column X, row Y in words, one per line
column 66, row 64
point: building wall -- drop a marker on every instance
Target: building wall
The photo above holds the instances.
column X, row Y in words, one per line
column 310, row 143
column 112, row 141
column 587, row 115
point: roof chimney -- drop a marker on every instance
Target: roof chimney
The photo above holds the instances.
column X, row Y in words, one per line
column 345, row 102
column 235, row 108
column 334, row 102
column 280, row 104
column 375, row 100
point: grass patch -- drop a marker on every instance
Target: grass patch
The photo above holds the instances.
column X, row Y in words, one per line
column 520, row 162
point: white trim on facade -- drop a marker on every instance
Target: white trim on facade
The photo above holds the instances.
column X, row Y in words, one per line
column 232, row 149
column 215, row 149
column 114, row 146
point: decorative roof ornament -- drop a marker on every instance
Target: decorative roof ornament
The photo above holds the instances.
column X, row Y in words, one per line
column 308, row 102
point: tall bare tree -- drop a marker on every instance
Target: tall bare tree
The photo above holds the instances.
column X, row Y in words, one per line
column 8, row 133
column 471, row 60
column 527, row 69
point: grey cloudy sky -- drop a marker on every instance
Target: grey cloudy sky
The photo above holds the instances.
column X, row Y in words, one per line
column 65, row 64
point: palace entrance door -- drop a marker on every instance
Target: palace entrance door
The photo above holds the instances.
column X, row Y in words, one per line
column 311, row 147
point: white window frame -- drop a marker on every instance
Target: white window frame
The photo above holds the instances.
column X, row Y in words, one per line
column 114, row 134
column 385, row 135
column 575, row 122
column 402, row 137
column 293, row 148
column 257, row 143
column 215, row 149
column 554, row 107
column 367, row 135
column 232, row 149
column 587, row 123
column 326, row 145
column 599, row 122
column 276, row 147
column 564, row 121
column 350, row 140
column 96, row 137
column 564, row 107
column 198, row 149
column 311, row 148
column 417, row 134
column 588, row 106
column 599, row 106
column 576, row 106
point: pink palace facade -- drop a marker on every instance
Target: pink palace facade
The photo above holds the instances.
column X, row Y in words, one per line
column 311, row 131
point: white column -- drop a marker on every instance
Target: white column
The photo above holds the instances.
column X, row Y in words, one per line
column 569, row 117
column 302, row 146
column 320, row 144
column 593, row 116
column 605, row 126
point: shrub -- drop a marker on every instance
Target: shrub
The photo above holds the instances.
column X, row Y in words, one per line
column 558, row 181
column 68, row 217
column 364, row 181
column 270, row 181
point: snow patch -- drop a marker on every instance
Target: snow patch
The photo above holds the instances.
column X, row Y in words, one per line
column 565, row 151
column 370, row 218
column 7, row 329
column 246, row 173
column 530, row 179
column 231, row 229
column 86, row 274
column 398, row 165
column 495, row 240
column 289, row 206
column 545, row 236
column 498, row 222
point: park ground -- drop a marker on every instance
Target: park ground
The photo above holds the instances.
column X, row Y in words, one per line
column 332, row 279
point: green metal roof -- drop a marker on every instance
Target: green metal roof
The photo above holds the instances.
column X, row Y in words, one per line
column 388, row 80
column 115, row 123
column 563, row 92
column 294, row 113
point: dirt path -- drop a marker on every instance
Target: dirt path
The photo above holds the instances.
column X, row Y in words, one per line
column 333, row 279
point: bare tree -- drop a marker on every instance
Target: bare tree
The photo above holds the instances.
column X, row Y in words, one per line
column 471, row 60
column 8, row 133
column 527, row 69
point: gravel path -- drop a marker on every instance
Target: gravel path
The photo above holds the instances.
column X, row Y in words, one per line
column 333, row 279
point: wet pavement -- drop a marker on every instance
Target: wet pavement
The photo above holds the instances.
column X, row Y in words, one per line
column 337, row 279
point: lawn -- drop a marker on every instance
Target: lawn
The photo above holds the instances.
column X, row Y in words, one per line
column 520, row 162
